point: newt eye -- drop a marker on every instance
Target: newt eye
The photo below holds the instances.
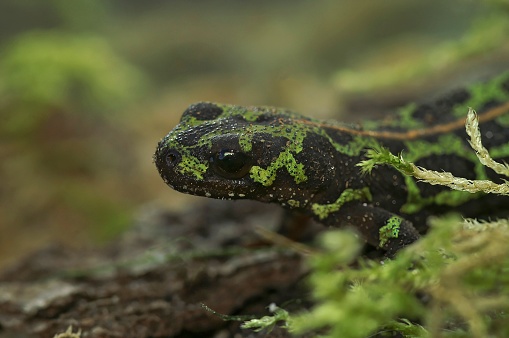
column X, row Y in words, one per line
column 230, row 163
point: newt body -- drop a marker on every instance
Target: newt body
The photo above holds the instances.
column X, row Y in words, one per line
column 275, row 155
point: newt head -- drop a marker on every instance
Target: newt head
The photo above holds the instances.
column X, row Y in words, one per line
column 233, row 152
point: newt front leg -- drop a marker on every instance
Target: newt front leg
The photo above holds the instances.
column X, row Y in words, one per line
column 377, row 226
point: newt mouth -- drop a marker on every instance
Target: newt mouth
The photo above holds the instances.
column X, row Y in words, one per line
column 197, row 178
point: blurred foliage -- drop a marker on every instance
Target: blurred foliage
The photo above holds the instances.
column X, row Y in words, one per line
column 487, row 35
column 82, row 15
column 40, row 71
column 449, row 284
column 62, row 152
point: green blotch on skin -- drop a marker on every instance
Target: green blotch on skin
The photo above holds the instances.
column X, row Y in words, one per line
column 403, row 118
column 190, row 122
column 480, row 93
column 348, row 195
column 444, row 144
column 245, row 142
column 247, row 114
column 190, row 165
column 354, row 147
column 390, row 230
column 407, row 119
column 295, row 133
column 285, row 159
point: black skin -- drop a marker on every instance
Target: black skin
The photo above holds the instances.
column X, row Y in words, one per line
column 332, row 172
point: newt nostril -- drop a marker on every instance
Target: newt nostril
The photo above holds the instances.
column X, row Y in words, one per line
column 173, row 158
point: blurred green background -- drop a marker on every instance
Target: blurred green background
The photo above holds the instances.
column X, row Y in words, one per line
column 88, row 87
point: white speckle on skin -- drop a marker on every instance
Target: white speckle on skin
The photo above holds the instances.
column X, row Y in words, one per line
column 207, row 194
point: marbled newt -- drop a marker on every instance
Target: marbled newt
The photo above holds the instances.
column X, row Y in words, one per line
column 275, row 155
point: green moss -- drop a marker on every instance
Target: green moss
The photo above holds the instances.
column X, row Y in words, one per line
column 449, row 265
column 57, row 69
